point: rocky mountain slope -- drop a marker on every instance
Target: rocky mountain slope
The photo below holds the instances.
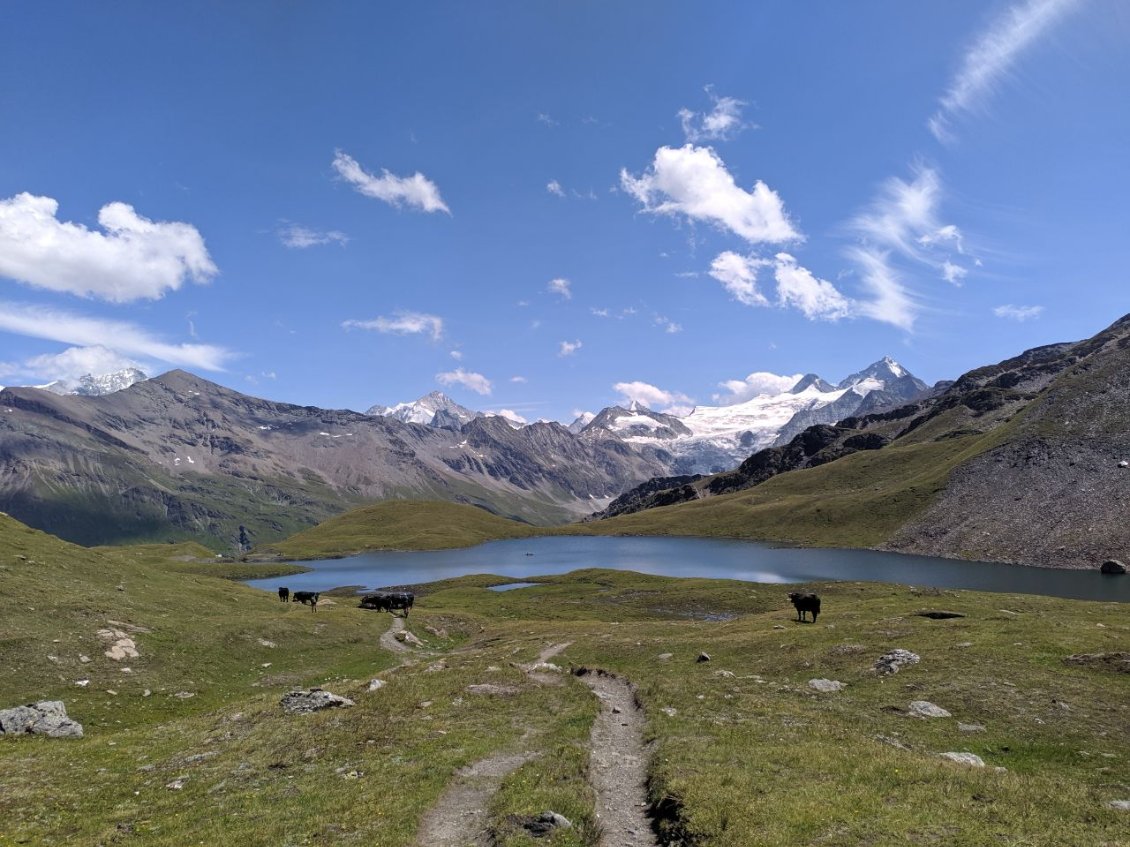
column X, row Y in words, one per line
column 1019, row 461
column 180, row 457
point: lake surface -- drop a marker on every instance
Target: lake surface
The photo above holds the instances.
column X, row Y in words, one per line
column 698, row 557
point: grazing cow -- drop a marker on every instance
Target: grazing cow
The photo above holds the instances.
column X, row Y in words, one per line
column 308, row 597
column 805, row 603
column 284, row 594
column 389, row 601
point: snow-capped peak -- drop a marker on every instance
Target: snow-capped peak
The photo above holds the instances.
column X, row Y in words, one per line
column 89, row 385
column 425, row 410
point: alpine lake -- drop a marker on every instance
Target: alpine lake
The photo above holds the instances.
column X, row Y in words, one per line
column 525, row 559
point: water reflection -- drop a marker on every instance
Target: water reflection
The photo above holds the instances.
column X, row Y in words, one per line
column 698, row 557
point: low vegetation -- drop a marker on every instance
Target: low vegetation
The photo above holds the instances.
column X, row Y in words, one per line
column 743, row 750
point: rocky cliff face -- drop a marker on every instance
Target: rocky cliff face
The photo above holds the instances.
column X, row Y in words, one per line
column 178, row 456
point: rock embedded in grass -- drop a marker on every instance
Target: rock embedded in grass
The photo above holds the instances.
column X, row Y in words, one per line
column 895, row 660
column 926, row 709
column 971, row 759
column 47, row 717
column 314, row 700
column 826, row 686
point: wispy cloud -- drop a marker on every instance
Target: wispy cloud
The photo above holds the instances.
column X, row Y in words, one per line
column 417, row 190
column 653, row 397
column 543, row 118
column 991, row 57
column 518, row 379
column 1018, row 313
column 693, row 182
column 474, row 381
column 125, row 339
column 554, row 187
column 402, row 323
column 560, row 287
column 300, row 237
column 133, row 258
column 668, row 325
column 721, row 123
column 568, row 348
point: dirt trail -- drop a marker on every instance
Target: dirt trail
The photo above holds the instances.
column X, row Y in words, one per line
column 619, row 764
column 546, row 677
column 388, row 638
column 459, row 817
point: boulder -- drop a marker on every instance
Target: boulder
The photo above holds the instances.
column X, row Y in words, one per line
column 314, row 700
column 971, row 759
column 826, row 686
column 542, row 825
column 47, row 717
column 894, row 661
column 926, row 709
column 1112, row 566
column 703, row 657
column 376, row 684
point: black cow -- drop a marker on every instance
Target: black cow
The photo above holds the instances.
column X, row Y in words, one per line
column 805, row 603
column 389, row 601
column 308, row 597
column 284, row 594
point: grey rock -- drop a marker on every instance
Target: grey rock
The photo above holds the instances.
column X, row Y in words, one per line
column 47, row 717
column 314, row 700
column 376, row 684
column 663, row 657
column 971, row 759
column 1120, row 805
column 545, row 823
column 826, row 686
column 926, row 709
column 490, row 688
column 970, row 727
column 895, row 660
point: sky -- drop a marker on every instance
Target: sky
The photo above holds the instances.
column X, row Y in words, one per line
column 545, row 208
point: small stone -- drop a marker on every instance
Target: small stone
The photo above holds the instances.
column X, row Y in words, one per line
column 266, row 642
column 971, row 759
column 703, row 657
column 146, row 693
column 490, row 688
column 84, row 659
column 82, row 683
column 1120, row 805
column 926, row 709
column 778, row 626
column 970, row 727
column 176, row 784
column 669, row 711
column 724, row 674
column 376, row 684
column 185, row 695
column 435, row 667
column 663, row 657
column 826, row 686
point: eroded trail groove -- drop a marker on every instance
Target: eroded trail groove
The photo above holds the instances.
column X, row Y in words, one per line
column 459, row 818
column 619, row 764
column 388, row 638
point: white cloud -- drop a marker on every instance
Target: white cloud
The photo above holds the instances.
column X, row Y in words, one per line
column 668, row 325
column 600, row 313
column 474, row 381
column 554, row 187
column 560, row 287
column 126, row 339
column 457, row 355
column 134, row 258
column 890, row 300
column 671, row 402
column 755, row 385
column 1018, row 313
column 72, row 363
column 722, row 123
column 511, row 416
column 300, row 237
column 693, row 181
column 992, row 56
column 518, row 379
column 952, row 273
column 416, row 190
column 738, row 275
column 568, row 348
column 402, row 323
column 542, row 117
column 798, row 287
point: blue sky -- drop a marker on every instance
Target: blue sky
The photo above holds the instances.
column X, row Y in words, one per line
column 552, row 207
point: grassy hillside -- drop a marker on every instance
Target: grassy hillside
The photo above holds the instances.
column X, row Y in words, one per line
column 401, row 525
column 744, row 751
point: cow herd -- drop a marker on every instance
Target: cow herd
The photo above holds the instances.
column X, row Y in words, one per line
column 382, row 601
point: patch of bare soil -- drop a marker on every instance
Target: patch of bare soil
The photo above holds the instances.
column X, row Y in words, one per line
column 388, row 638
column 459, row 817
column 618, row 763
column 539, row 672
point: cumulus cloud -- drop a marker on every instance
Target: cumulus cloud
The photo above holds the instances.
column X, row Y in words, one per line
column 474, row 381
column 738, row 275
column 125, row 339
column 721, row 123
column 799, row 288
column 132, row 258
column 1018, row 313
column 554, row 187
column 756, row 384
column 560, row 287
column 670, row 402
column 300, row 237
column 71, row 364
column 568, row 348
column 416, row 191
column 693, row 182
column 402, row 323
column 991, row 57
